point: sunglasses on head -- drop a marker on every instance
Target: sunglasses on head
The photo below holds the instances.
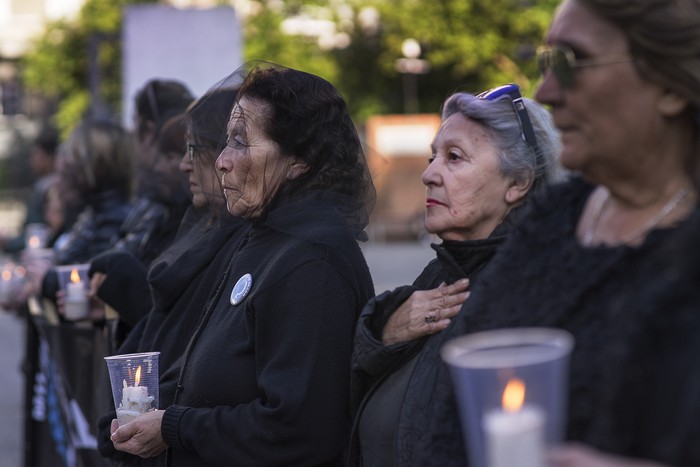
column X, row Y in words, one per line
column 562, row 61
column 513, row 92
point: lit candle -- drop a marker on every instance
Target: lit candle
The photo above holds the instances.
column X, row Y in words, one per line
column 34, row 242
column 5, row 285
column 75, row 303
column 515, row 433
column 135, row 400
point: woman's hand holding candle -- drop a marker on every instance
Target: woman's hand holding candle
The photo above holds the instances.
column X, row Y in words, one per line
column 141, row 437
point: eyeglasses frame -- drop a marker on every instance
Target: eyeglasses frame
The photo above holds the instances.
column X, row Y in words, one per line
column 546, row 60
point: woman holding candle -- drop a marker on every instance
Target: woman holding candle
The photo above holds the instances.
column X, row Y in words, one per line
column 178, row 284
column 488, row 156
column 265, row 378
column 609, row 256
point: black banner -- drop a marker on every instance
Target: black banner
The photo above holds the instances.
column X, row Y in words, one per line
column 66, row 391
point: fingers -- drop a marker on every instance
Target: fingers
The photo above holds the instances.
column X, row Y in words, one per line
column 425, row 312
column 458, row 287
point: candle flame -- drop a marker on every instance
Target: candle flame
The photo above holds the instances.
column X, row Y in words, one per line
column 514, row 395
column 137, row 378
column 74, row 276
column 6, row 275
column 34, row 242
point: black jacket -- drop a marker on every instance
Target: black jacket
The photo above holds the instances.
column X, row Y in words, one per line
column 97, row 228
column 373, row 362
column 178, row 287
column 265, row 381
column 150, row 228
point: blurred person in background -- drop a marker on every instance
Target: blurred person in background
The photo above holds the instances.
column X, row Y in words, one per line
column 97, row 164
column 488, row 157
column 94, row 171
column 42, row 162
column 161, row 192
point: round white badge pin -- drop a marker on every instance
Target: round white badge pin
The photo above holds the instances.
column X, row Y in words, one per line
column 241, row 289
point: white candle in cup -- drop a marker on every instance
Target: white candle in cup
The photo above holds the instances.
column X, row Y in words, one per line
column 135, row 400
column 75, row 302
column 515, row 434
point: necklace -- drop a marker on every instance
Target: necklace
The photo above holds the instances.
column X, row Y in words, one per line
column 647, row 226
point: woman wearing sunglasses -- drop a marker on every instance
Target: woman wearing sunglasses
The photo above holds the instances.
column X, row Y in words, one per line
column 607, row 256
column 491, row 152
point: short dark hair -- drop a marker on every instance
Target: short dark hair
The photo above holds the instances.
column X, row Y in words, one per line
column 160, row 100
column 47, row 140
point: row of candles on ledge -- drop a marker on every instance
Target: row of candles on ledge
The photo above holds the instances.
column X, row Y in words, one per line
column 20, row 280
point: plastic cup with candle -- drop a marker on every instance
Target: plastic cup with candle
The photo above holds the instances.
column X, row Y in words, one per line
column 134, row 379
column 510, row 386
column 37, row 261
column 73, row 280
column 36, row 235
column 6, row 282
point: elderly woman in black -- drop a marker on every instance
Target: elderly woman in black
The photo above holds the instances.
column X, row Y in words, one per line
column 265, row 378
column 491, row 152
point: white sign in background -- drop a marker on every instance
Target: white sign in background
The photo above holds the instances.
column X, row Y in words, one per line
column 198, row 47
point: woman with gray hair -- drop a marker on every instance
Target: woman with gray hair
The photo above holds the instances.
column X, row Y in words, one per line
column 491, row 152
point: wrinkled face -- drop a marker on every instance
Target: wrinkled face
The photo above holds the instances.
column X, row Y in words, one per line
column 609, row 113
column 202, row 177
column 466, row 196
column 252, row 165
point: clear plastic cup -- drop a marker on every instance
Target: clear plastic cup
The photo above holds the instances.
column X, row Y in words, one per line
column 134, row 379
column 75, row 284
column 511, row 389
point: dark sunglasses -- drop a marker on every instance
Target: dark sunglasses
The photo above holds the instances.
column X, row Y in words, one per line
column 563, row 62
column 513, row 92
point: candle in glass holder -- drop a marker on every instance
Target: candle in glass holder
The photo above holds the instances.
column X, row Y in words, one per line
column 75, row 301
column 515, row 433
column 135, row 400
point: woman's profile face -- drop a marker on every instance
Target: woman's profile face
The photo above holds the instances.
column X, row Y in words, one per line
column 610, row 114
column 252, row 164
column 201, row 175
column 466, row 192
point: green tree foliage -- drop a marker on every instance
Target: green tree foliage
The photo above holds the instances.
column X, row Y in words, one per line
column 58, row 66
column 471, row 45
